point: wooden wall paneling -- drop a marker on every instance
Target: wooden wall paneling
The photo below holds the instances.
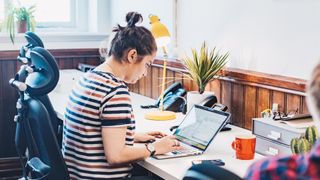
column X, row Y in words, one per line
column 136, row 87
column 304, row 105
column 250, row 94
column 208, row 87
column 2, row 125
column 142, row 86
column 160, row 81
column 10, row 168
column 9, row 98
column 130, row 86
column 2, row 111
column 66, row 63
column 2, row 81
column 155, row 82
column 187, row 83
column 93, row 60
column 279, row 98
column 293, row 103
column 148, row 82
column 226, row 96
column 237, row 104
column 215, row 87
column 194, row 86
column 77, row 61
column 170, row 78
column 263, row 100
column 178, row 76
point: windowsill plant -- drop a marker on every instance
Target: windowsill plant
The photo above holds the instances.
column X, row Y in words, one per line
column 19, row 19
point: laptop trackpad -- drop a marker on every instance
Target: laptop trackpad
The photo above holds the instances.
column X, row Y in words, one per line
column 177, row 154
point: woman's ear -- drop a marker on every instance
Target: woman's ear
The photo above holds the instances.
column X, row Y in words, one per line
column 132, row 55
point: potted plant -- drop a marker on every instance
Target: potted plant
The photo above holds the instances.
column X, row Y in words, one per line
column 21, row 18
column 304, row 143
column 203, row 67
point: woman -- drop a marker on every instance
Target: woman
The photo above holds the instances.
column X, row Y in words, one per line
column 99, row 126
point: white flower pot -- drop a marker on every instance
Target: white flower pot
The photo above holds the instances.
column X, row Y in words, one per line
column 193, row 97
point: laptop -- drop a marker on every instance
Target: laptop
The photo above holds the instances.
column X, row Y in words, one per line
column 197, row 130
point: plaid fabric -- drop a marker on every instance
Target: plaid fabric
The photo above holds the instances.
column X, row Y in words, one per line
column 305, row 166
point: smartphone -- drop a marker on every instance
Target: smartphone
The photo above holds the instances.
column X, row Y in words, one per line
column 217, row 162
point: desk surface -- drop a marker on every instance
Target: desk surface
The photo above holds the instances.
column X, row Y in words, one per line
column 220, row 147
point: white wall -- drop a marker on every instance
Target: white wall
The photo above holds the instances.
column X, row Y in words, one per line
column 162, row 8
column 273, row 36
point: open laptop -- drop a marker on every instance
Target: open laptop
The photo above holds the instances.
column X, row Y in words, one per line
column 197, row 130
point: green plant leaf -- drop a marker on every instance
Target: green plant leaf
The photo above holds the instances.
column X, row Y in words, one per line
column 204, row 65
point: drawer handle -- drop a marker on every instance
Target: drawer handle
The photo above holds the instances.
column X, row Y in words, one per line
column 274, row 135
column 272, row 151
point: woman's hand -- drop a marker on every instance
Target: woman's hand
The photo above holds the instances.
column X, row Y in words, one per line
column 167, row 144
column 149, row 136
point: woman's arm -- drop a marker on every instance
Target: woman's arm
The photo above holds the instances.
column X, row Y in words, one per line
column 144, row 137
column 118, row 153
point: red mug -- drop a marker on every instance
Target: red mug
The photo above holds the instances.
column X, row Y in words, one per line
column 244, row 145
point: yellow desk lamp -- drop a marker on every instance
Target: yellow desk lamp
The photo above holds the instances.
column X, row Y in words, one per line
column 162, row 36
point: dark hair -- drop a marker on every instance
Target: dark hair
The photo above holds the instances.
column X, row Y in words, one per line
column 132, row 37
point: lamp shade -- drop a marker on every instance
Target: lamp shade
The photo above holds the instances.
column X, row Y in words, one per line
column 159, row 31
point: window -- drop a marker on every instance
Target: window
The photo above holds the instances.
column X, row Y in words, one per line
column 57, row 15
column 54, row 14
column 65, row 17
column 1, row 10
column 63, row 23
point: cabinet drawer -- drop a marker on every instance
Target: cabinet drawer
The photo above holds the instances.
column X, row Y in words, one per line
column 271, row 148
column 275, row 131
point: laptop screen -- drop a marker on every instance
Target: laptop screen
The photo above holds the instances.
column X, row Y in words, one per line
column 200, row 126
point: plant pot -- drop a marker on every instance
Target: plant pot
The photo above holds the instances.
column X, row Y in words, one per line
column 22, row 26
column 193, row 97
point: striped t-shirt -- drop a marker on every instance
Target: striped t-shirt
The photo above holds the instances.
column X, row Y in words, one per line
column 98, row 100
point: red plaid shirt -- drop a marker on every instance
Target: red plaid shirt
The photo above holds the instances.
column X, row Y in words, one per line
column 305, row 166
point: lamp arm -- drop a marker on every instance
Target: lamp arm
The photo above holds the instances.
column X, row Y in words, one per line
column 165, row 55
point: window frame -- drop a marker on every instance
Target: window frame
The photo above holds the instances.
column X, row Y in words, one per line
column 78, row 19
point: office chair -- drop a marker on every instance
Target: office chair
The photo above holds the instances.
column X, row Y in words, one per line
column 209, row 172
column 34, row 128
column 24, row 57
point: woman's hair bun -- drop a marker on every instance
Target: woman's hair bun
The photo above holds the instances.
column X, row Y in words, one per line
column 132, row 18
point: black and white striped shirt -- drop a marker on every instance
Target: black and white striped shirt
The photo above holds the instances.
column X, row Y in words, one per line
column 98, row 100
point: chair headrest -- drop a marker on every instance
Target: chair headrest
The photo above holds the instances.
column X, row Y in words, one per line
column 33, row 40
column 46, row 77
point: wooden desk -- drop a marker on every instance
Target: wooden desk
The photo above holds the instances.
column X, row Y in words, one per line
column 220, row 147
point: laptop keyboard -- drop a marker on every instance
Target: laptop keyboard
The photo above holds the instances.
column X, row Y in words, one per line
column 186, row 150
column 183, row 151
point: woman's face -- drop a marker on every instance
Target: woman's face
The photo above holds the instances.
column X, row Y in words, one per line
column 139, row 69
